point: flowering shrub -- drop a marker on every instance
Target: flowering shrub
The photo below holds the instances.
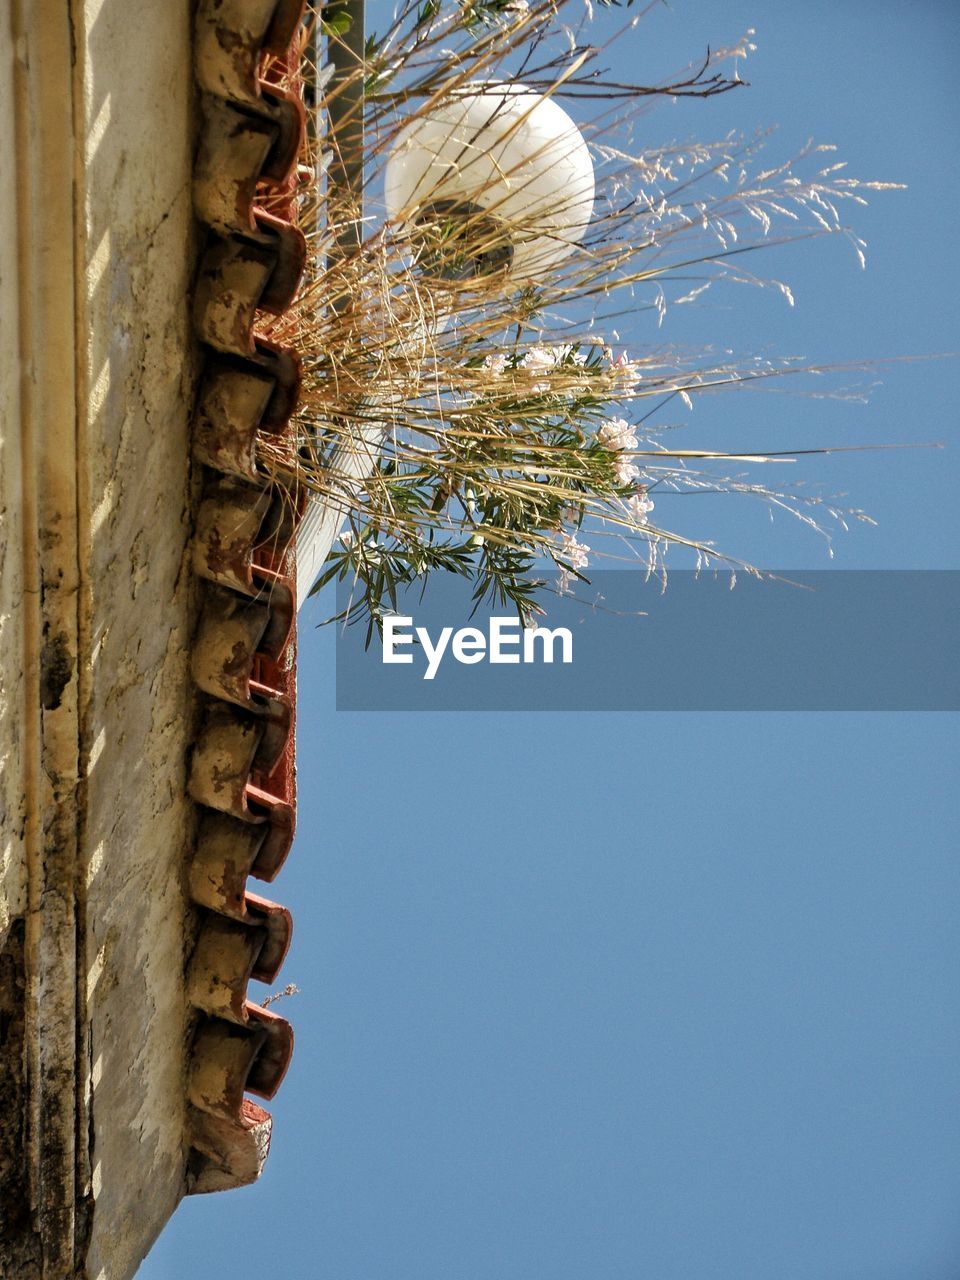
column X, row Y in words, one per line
column 505, row 429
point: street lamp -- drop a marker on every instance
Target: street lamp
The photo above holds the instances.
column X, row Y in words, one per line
column 495, row 179
column 508, row 165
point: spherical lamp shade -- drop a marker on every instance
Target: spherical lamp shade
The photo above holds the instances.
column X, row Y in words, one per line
column 509, row 164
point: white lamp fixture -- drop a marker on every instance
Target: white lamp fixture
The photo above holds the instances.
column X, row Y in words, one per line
column 507, row 161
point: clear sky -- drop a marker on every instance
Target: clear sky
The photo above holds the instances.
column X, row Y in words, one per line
column 662, row 996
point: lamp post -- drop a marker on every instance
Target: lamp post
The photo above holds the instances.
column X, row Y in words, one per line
column 506, row 176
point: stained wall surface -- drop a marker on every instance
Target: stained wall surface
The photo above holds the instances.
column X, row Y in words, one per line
column 12, row 884
column 137, row 704
column 97, row 375
column 13, row 881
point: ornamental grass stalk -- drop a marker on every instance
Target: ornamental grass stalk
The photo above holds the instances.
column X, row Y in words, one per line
column 507, row 428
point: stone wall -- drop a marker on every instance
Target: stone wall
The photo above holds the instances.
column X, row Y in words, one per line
column 12, row 867
column 97, row 371
column 22, row 1246
column 136, row 611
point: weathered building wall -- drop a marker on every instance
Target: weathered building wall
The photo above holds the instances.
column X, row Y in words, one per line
column 13, row 879
column 136, row 696
column 13, row 882
column 38, row 1059
column 12, row 871
column 97, row 250
column 123, row 1073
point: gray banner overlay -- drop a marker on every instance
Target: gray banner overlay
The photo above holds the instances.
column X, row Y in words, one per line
column 835, row 640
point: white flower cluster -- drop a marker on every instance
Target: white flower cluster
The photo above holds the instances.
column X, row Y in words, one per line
column 574, row 554
column 537, row 359
column 639, row 505
column 572, row 551
column 570, row 353
column 495, row 364
column 540, row 357
column 618, row 435
column 625, row 470
column 626, row 372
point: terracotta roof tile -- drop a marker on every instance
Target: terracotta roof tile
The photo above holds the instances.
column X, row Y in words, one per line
column 242, row 769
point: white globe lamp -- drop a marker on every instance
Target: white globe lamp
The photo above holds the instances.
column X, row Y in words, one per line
column 504, row 164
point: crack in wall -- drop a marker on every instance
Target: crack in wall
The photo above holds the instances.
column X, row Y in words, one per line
column 56, row 668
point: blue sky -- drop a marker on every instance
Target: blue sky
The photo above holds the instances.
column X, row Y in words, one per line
column 658, row 996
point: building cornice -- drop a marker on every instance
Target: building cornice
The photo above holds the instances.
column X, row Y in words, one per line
column 243, row 660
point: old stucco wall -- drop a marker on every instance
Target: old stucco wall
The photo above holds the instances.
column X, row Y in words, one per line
column 13, row 880
column 97, row 605
column 136, row 696
column 97, row 247
column 12, row 872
